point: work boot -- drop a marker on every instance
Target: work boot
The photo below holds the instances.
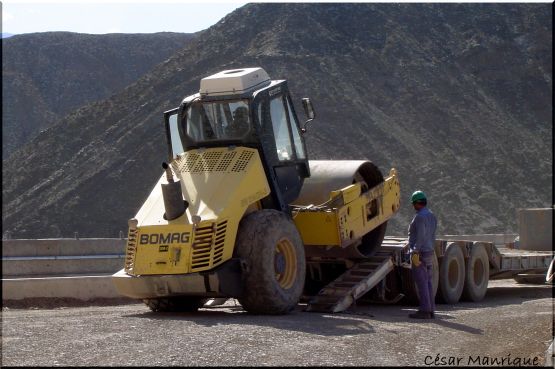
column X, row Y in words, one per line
column 420, row 315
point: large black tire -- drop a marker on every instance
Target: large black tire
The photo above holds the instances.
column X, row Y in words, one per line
column 176, row 303
column 451, row 275
column 275, row 267
column 477, row 274
column 409, row 285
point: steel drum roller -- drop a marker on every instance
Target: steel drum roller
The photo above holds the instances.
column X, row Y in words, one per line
column 331, row 175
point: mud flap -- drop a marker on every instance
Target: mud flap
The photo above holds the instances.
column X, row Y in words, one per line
column 229, row 276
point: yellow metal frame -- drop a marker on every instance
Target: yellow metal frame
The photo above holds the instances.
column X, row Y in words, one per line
column 349, row 214
column 219, row 184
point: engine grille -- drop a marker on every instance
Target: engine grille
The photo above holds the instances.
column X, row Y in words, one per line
column 208, row 246
column 243, row 161
column 219, row 242
column 202, row 247
column 130, row 251
column 215, row 160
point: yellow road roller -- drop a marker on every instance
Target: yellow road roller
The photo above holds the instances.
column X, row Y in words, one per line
column 240, row 212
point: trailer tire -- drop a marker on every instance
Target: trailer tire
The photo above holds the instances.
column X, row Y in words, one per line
column 273, row 253
column 477, row 274
column 409, row 285
column 451, row 275
column 175, row 303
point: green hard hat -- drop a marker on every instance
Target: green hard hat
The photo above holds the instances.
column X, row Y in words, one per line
column 417, row 196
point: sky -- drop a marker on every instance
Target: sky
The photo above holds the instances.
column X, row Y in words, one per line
column 123, row 16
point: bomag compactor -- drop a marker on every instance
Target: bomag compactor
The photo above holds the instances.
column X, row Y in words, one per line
column 240, row 212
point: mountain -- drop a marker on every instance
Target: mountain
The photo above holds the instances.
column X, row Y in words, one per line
column 456, row 97
column 6, row 35
column 47, row 75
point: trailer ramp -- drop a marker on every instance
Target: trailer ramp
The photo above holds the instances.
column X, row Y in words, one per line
column 353, row 284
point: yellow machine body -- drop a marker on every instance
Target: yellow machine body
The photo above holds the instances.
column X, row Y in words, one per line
column 219, row 185
column 349, row 214
column 236, row 148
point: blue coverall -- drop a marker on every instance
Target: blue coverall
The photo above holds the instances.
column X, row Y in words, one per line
column 422, row 235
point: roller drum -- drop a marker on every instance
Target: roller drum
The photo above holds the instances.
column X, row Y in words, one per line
column 331, row 175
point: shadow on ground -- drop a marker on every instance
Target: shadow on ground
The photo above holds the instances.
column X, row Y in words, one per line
column 62, row 302
column 298, row 320
column 356, row 320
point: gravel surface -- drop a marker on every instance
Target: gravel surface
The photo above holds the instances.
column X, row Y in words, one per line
column 513, row 322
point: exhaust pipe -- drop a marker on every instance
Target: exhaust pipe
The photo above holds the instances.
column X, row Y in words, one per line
column 174, row 204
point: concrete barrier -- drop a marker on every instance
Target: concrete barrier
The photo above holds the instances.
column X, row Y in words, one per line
column 536, row 229
column 73, row 268
column 51, row 265
column 86, row 287
column 59, row 257
column 63, row 246
column 550, row 355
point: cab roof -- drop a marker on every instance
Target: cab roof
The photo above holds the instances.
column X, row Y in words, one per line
column 234, row 81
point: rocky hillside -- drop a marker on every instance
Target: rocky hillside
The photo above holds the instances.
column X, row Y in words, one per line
column 457, row 97
column 47, row 75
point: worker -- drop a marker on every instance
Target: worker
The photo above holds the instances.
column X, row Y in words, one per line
column 240, row 124
column 422, row 234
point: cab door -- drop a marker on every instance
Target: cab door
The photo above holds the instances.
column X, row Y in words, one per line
column 290, row 163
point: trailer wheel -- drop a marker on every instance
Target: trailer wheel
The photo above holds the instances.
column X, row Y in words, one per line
column 409, row 285
column 175, row 303
column 451, row 274
column 477, row 274
column 272, row 249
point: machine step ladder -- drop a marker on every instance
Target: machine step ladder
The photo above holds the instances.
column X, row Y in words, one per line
column 353, row 284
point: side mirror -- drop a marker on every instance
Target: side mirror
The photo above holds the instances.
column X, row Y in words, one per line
column 309, row 111
column 308, row 108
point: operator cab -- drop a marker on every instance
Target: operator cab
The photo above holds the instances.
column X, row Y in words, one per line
column 244, row 107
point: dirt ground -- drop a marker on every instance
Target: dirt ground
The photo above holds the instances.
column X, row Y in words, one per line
column 513, row 323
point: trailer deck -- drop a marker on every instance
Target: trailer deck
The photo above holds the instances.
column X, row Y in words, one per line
column 366, row 274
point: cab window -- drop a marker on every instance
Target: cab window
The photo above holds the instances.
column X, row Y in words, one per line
column 281, row 129
column 223, row 120
column 177, row 145
column 295, row 130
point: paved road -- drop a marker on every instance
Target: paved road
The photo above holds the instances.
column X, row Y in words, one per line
column 514, row 322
